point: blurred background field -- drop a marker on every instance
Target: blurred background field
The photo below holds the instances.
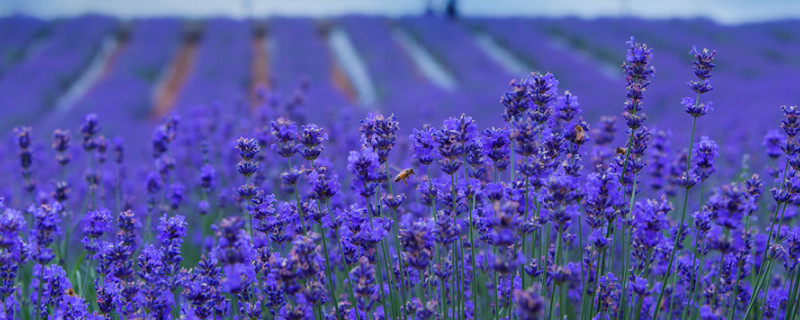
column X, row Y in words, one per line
column 135, row 63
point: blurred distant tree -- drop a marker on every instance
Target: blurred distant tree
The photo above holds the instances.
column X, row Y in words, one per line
column 451, row 9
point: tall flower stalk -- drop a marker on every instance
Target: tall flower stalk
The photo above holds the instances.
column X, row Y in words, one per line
column 638, row 71
column 703, row 65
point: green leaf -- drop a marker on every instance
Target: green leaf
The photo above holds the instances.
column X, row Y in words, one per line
column 79, row 262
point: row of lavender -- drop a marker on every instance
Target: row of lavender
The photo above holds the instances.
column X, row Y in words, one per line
column 566, row 44
column 32, row 86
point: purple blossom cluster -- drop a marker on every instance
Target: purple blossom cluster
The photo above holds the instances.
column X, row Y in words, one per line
column 264, row 214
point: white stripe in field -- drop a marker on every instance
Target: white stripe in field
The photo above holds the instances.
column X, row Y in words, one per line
column 271, row 45
column 90, row 76
column 353, row 66
column 32, row 49
column 499, row 54
column 426, row 63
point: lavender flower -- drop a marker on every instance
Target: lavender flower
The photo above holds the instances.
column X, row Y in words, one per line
column 170, row 233
column 23, row 139
column 379, row 133
column 363, row 277
column 247, row 148
column 235, row 254
column 89, row 129
column 772, row 143
column 46, row 226
column 417, row 242
column 364, row 165
column 13, row 252
column 791, row 122
column 95, row 224
column 451, row 140
column 703, row 64
column 311, row 137
column 495, row 147
column 530, row 306
column 637, row 73
column 285, row 133
column 61, row 143
column 423, row 144
column 706, row 154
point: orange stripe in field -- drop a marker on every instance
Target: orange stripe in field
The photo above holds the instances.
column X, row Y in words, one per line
column 179, row 70
column 260, row 71
column 342, row 82
column 339, row 78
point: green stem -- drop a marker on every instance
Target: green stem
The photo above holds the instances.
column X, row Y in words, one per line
column 522, row 234
column 472, row 247
column 625, row 247
column 377, row 263
column 390, row 278
column 344, row 260
column 38, row 306
column 545, row 250
column 759, row 282
column 329, row 270
column 88, row 265
column 638, row 308
column 763, row 276
column 392, row 299
column 791, row 307
column 552, row 298
column 456, row 278
column 397, row 248
column 694, row 259
column 683, row 218
column 697, row 273
column 583, row 277
column 738, row 273
column 601, row 265
column 627, row 155
column 91, row 185
column 297, row 198
column 247, row 216
column 494, row 289
column 561, row 304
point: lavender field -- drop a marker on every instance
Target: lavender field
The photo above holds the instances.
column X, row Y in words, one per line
column 365, row 167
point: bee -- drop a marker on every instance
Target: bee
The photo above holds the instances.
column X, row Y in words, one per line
column 404, row 175
column 70, row 292
column 580, row 134
column 621, row 150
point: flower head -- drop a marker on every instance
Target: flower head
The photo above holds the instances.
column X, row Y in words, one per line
column 247, row 148
column 89, row 128
column 637, row 73
column 379, row 133
column 423, row 143
column 703, row 64
column 530, row 306
column 311, row 138
column 706, row 155
column 364, row 165
column 285, row 133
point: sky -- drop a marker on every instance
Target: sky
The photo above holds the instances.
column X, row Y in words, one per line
column 722, row 11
